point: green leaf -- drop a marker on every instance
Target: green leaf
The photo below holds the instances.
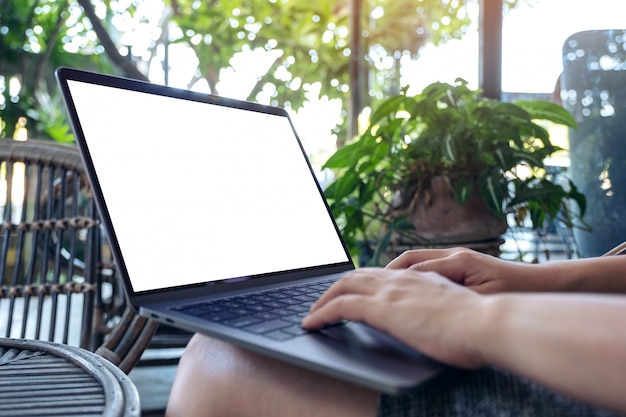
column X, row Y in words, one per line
column 397, row 225
column 579, row 198
column 512, row 110
column 448, row 148
column 380, row 152
column 381, row 247
column 402, row 224
column 537, row 215
column 388, row 108
column 345, row 157
column 536, row 131
column 491, row 191
column 528, row 157
column 367, row 190
column 343, row 186
column 545, row 110
column 548, row 194
column 463, row 190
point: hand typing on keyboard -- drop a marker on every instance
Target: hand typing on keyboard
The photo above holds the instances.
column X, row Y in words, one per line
column 276, row 313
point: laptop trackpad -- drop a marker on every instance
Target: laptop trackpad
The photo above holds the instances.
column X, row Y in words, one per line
column 361, row 337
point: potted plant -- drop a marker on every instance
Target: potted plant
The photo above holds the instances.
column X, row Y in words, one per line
column 430, row 164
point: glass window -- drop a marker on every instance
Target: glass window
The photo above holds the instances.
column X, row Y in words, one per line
column 533, row 35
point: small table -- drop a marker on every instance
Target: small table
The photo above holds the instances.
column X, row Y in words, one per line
column 48, row 379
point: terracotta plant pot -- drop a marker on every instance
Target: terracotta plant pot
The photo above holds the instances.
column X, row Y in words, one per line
column 440, row 221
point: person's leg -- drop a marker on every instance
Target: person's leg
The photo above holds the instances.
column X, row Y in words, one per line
column 485, row 393
column 217, row 379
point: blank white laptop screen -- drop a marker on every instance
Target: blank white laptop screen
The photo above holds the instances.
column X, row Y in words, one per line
column 218, row 192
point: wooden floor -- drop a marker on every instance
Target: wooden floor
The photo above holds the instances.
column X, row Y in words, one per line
column 153, row 384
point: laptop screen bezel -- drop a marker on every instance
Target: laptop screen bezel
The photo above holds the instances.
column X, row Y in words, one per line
column 64, row 75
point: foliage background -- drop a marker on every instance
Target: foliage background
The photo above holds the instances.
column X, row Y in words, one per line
column 312, row 44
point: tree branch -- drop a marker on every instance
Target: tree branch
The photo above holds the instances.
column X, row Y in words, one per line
column 109, row 46
column 43, row 60
column 258, row 86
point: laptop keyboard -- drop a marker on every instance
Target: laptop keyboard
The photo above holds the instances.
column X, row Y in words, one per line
column 275, row 314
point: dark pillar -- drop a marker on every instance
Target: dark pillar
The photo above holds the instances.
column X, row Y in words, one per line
column 490, row 48
column 356, row 74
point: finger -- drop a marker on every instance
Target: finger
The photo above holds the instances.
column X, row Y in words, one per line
column 450, row 267
column 409, row 258
column 351, row 307
column 361, row 281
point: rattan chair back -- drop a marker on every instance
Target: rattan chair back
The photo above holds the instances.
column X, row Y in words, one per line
column 57, row 281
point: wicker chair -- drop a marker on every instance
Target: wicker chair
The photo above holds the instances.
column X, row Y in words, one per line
column 57, row 281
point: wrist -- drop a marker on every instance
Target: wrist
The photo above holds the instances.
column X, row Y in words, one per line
column 476, row 330
column 553, row 276
column 487, row 326
column 593, row 275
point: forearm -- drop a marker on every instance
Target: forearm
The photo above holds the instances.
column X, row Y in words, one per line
column 575, row 344
column 591, row 275
column 487, row 274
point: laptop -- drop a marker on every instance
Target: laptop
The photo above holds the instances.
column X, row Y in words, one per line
column 218, row 225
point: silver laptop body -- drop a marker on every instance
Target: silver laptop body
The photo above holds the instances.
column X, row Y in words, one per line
column 206, row 200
